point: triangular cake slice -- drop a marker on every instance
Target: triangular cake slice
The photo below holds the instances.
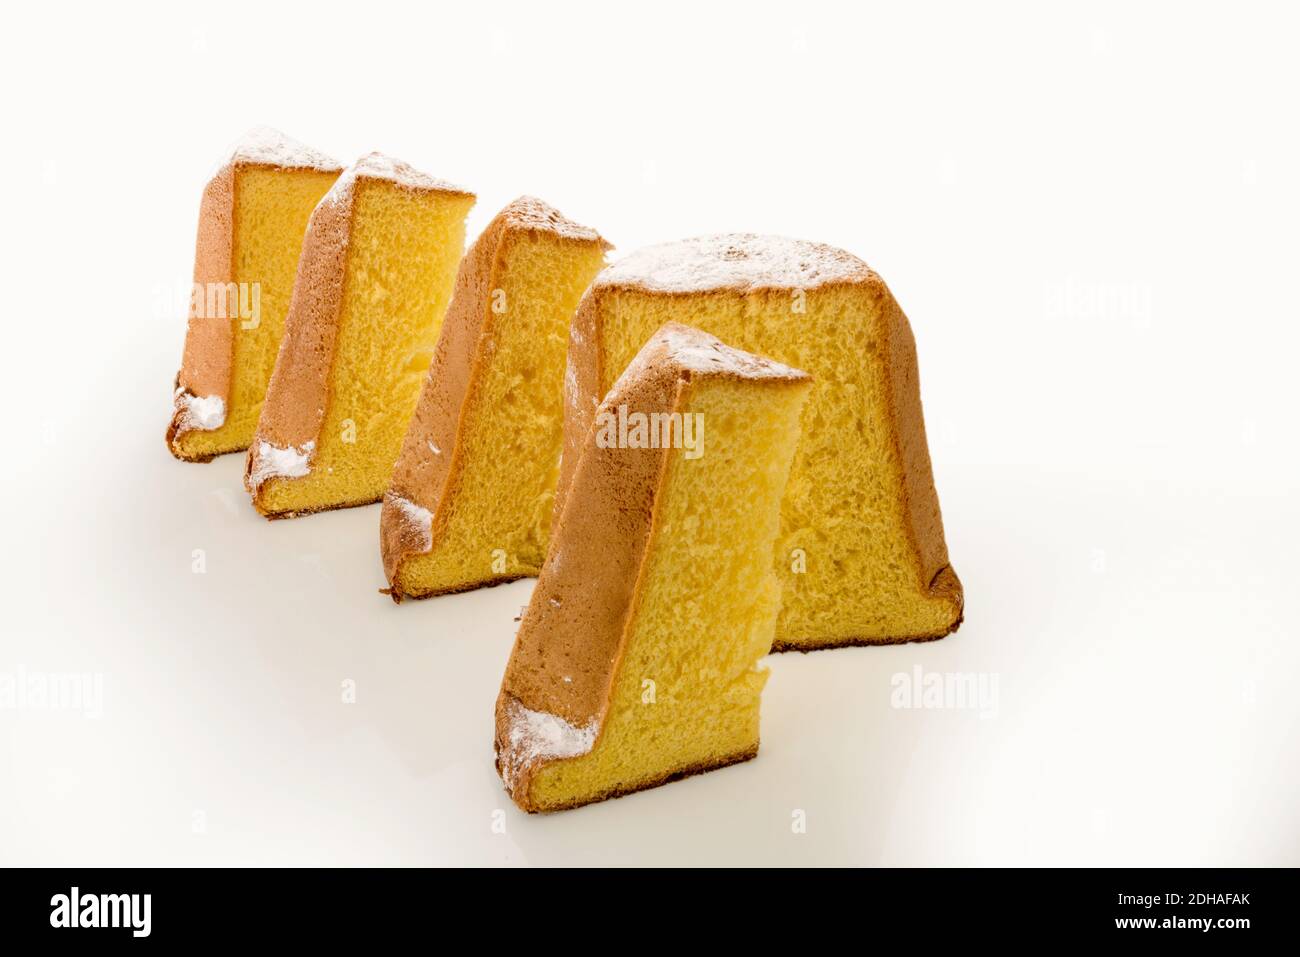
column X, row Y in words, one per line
column 251, row 222
column 635, row 663
column 376, row 273
column 861, row 552
column 473, row 489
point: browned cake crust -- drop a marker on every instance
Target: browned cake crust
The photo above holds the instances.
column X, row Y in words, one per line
column 206, row 364
column 924, row 524
column 573, row 635
column 430, row 480
column 298, row 397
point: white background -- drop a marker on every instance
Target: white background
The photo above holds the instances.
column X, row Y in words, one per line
column 1089, row 213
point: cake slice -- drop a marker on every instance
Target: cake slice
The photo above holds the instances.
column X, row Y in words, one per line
column 473, row 489
column 635, row 663
column 861, row 552
column 251, row 222
column 377, row 268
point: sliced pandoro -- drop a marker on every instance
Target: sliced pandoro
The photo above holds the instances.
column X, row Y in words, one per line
column 252, row 218
column 636, row 660
column 472, row 493
column 861, row 552
column 376, row 273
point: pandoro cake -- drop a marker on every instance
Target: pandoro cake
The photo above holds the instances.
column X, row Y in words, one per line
column 473, row 490
column 252, row 218
column 861, row 551
column 377, row 268
column 636, row 660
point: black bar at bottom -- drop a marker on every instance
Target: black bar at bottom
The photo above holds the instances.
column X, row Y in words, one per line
column 238, row 906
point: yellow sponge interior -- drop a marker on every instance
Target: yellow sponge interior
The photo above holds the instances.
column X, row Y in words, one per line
column 271, row 210
column 686, row 694
column 402, row 256
column 843, row 555
column 499, row 503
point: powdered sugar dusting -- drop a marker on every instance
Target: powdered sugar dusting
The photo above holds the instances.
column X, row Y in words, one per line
column 740, row 261
column 416, row 517
column 700, row 353
column 272, row 461
column 379, row 166
column 199, row 413
column 703, row 353
column 538, row 735
column 266, row 146
column 529, row 212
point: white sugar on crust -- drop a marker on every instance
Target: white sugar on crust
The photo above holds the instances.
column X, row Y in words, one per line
column 740, row 261
column 272, row 461
column 265, row 146
column 379, row 166
column 703, row 353
column 536, row 735
column 416, row 517
column 199, row 413
column 529, row 212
